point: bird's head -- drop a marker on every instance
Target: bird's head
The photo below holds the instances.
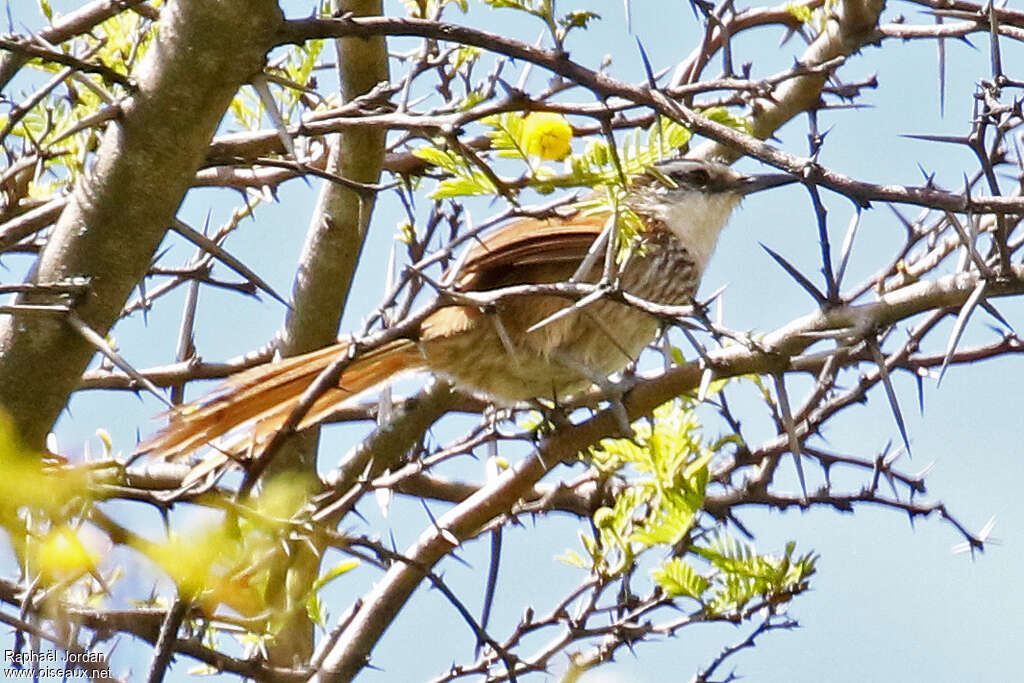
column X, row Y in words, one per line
column 676, row 181
column 694, row 198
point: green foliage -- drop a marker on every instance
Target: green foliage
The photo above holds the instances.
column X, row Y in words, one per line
column 727, row 118
column 666, row 471
column 462, row 61
column 506, row 135
column 314, row 605
column 576, row 19
column 538, row 8
column 628, row 225
column 801, row 13
column 658, row 507
column 119, row 43
column 334, row 572
column 466, row 180
column 679, row 579
column 298, row 67
column 639, row 149
column 513, row 135
column 559, row 27
column 247, row 110
column 465, row 57
column 231, row 563
column 739, row 575
column 524, row 5
column 814, row 18
column 47, row 512
column 34, row 495
column 594, row 167
column 427, row 9
column 406, row 233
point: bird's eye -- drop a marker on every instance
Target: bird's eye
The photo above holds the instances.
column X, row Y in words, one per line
column 698, row 177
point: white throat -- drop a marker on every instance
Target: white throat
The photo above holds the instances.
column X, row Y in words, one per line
column 697, row 221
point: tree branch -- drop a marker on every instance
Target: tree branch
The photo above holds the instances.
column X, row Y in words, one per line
column 120, row 210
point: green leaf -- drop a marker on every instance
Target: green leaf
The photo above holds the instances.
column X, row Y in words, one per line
column 437, row 157
column 670, row 526
column 315, row 610
column 666, row 471
column 694, row 469
column 428, row 8
column 727, row 118
column 506, row 134
column 333, row 573
column 472, row 99
column 406, row 233
column 464, row 185
column 743, row 575
column 522, row 5
column 572, row 557
column 679, row 579
column 463, row 56
column 665, row 136
column 576, row 19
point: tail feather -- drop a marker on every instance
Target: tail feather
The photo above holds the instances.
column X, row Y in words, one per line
column 266, row 395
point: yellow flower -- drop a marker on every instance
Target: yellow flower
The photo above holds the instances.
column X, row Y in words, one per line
column 547, row 135
column 61, row 555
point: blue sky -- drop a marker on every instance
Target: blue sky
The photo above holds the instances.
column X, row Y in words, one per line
column 890, row 601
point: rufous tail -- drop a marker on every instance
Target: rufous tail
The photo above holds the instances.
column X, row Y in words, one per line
column 266, row 395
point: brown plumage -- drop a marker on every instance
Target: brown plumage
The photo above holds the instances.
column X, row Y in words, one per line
column 268, row 394
column 683, row 206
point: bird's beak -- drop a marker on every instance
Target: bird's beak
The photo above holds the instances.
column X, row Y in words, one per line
column 755, row 183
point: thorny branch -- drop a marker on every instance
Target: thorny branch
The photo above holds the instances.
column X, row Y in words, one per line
column 960, row 256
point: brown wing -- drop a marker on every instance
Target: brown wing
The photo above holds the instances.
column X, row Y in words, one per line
column 529, row 250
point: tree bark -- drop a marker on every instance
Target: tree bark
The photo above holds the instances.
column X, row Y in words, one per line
column 122, row 206
column 334, row 242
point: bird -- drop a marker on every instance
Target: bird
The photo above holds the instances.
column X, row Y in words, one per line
column 517, row 349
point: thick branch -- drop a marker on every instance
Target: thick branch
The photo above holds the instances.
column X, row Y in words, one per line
column 847, row 32
column 334, row 242
column 121, row 208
